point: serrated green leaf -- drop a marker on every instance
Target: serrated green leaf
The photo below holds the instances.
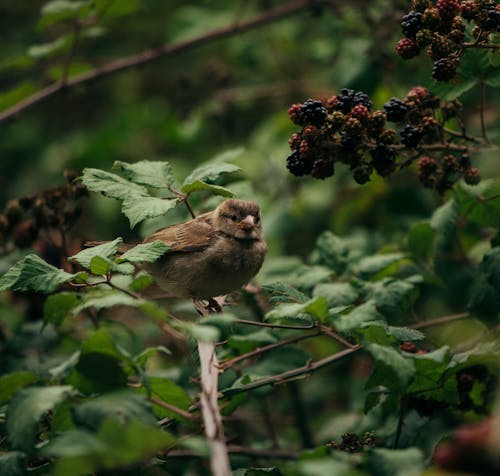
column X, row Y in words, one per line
column 316, row 307
column 392, row 370
column 405, row 333
column 12, row 463
column 99, row 265
column 111, row 185
column 26, row 409
column 11, row 383
column 106, row 299
column 481, row 203
column 386, row 462
column 280, row 293
column 32, row 273
column 106, row 250
column 337, row 294
column 200, row 185
column 356, row 318
column 137, row 208
column 393, row 297
column 421, row 240
column 145, row 252
column 157, row 174
column 209, row 173
column 58, row 306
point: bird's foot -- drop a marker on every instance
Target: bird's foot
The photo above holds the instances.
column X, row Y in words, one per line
column 206, row 307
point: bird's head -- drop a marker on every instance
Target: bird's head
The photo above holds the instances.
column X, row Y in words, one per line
column 239, row 219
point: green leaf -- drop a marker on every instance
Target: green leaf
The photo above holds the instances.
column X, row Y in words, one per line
column 280, row 293
column 421, row 240
column 145, row 253
column 106, row 250
column 111, row 185
column 149, row 352
column 371, row 265
column 122, row 405
column 168, row 392
column 209, row 173
column 484, row 294
column 356, row 318
column 106, row 299
column 157, row 174
column 445, row 217
column 316, row 307
column 337, row 294
column 481, row 203
column 115, row 445
column 201, row 332
column 11, row 383
column 215, row 189
column 385, row 462
column 393, row 297
column 137, row 209
column 141, row 281
column 392, row 370
column 26, row 409
column 47, row 50
column 99, row 265
column 247, row 342
column 57, row 306
column 257, row 472
column 12, row 463
column 62, row 10
column 402, row 334
column 32, row 273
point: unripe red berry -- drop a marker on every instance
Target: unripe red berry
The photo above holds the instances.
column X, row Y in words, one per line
column 295, row 114
column 447, row 8
column 472, row 176
column 407, row 48
column 294, row 141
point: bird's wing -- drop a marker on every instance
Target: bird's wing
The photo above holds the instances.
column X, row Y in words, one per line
column 194, row 235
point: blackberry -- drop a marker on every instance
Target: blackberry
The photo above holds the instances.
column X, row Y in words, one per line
column 350, row 98
column 449, row 164
column 419, row 5
column 395, row 110
column 331, row 103
column 407, row 48
column 411, row 24
column 313, row 113
column 305, row 148
column 464, row 161
column 447, row 8
column 360, row 112
column 441, row 47
column 361, row 173
column 444, row 69
column 458, row 23
column 472, row 176
column 419, row 96
column 431, row 18
column 387, row 136
column 322, row 168
column 457, row 36
column 353, row 127
column 297, row 165
column 350, row 143
column 492, row 21
column 294, row 141
column 423, row 38
column 411, row 135
column 337, row 119
column 427, row 166
column 294, row 113
column 384, row 159
column 469, row 10
column 376, row 120
column 430, row 127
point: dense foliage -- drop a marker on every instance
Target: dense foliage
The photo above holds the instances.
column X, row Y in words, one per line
column 368, row 343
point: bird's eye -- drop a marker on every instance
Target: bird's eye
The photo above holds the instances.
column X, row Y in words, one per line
column 257, row 219
column 233, row 217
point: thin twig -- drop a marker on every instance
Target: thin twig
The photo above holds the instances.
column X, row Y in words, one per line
column 147, row 56
column 276, row 326
column 173, row 408
column 439, row 320
column 261, row 350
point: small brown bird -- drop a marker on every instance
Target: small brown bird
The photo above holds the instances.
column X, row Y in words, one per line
column 212, row 254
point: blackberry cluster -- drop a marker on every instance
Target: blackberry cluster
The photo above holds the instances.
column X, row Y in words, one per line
column 343, row 129
column 24, row 219
column 439, row 29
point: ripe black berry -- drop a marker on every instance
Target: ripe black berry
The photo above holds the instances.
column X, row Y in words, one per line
column 492, row 21
column 361, row 173
column 294, row 141
column 444, row 69
column 395, row 110
column 411, row 135
column 411, row 24
column 297, row 165
column 384, row 159
column 472, row 176
column 313, row 113
column 322, row 168
column 350, row 98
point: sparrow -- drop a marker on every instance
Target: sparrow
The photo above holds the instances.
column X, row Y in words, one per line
column 213, row 254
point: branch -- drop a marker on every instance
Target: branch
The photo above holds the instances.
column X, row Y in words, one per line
column 439, row 320
column 147, row 56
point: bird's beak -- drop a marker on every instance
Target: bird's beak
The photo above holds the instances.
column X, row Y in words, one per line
column 247, row 223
